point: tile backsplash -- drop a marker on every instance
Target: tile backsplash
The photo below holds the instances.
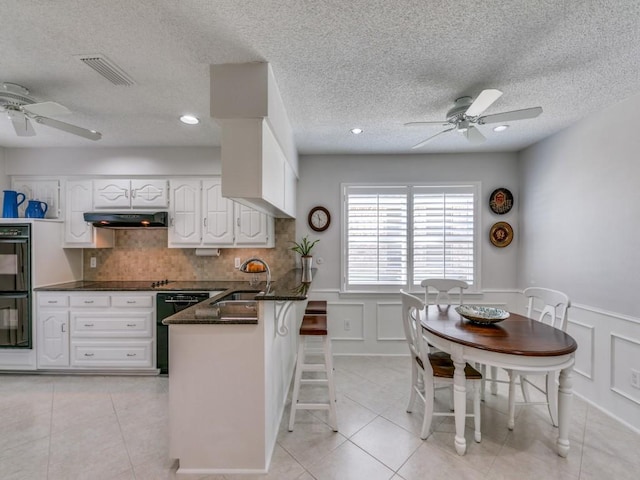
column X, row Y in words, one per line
column 143, row 255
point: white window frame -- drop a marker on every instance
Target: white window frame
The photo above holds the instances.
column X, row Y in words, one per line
column 345, row 288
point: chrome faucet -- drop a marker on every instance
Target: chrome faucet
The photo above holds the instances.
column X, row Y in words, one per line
column 246, row 263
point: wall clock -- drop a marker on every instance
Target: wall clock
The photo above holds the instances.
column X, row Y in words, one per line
column 319, row 219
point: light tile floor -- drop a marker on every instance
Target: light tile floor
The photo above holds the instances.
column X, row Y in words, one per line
column 100, row 427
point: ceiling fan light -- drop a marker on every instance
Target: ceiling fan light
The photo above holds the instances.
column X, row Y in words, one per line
column 500, row 128
column 190, row 119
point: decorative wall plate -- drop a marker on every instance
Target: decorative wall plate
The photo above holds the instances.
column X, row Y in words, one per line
column 501, row 234
column 501, row 201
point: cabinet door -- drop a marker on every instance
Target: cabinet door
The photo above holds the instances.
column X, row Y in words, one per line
column 53, row 339
column 217, row 228
column 78, row 200
column 290, row 190
column 149, row 194
column 77, row 232
column 44, row 190
column 184, row 213
column 252, row 227
column 111, row 193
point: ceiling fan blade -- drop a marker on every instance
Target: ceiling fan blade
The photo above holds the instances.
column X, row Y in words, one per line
column 474, row 135
column 424, row 142
column 417, row 124
column 67, row 127
column 21, row 123
column 511, row 116
column 46, row 109
column 484, row 101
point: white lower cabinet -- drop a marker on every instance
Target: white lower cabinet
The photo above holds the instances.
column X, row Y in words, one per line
column 106, row 354
column 96, row 330
column 53, row 338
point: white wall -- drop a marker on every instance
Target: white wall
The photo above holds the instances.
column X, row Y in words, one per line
column 580, row 211
column 374, row 322
column 4, row 180
column 113, row 161
column 321, row 177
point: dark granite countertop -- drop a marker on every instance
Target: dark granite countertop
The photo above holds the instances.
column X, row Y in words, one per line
column 286, row 288
column 143, row 285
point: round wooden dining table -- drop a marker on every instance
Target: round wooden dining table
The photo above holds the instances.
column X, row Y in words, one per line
column 517, row 343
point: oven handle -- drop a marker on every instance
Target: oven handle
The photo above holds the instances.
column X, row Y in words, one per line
column 183, row 301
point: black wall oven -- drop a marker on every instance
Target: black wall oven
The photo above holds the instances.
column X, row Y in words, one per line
column 15, row 286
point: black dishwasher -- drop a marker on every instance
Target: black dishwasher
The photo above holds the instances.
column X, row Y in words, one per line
column 166, row 305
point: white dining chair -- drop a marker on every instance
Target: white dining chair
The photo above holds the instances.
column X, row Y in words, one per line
column 553, row 306
column 443, row 287
column 430, row 369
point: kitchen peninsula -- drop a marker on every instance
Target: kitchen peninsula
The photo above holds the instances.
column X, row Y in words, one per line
column 229, row 380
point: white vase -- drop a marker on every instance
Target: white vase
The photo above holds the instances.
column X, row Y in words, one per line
column 307, row 261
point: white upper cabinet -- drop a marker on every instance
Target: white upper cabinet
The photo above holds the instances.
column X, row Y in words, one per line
column 184, row 213
column 217, row 228
column 39, row 189
column 201, row 217
column 77, row 232
column 253, row 228
column 121, row 194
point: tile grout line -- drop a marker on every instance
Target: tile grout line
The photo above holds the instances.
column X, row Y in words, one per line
column 124, row 442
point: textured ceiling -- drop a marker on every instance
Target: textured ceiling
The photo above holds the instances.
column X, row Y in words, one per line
column 375, row 64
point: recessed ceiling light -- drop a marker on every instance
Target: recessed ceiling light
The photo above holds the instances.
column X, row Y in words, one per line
column 500, row 128
column 189, row 119
column 356, row 131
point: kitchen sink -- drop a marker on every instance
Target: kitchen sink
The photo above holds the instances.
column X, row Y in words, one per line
column 233, row 310
column 239, row 305
column 239, row 295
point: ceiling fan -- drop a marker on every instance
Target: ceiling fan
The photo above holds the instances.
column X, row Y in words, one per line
column 21, row 109
column 466, row 113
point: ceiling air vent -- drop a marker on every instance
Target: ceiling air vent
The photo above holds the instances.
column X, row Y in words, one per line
column 107, row 69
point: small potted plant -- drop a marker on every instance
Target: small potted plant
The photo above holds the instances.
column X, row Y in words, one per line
column 304, row 248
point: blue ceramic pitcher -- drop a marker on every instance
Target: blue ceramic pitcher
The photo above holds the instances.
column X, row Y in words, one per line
column 36, row 209
column 12, row 200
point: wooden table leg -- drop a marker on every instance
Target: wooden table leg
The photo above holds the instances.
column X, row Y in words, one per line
column 459, row 398
column 564, row 410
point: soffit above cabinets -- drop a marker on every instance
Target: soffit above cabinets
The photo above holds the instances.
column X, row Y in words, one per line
column 258, row 152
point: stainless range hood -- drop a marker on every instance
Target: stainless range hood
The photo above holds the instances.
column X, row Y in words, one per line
column 127, row 220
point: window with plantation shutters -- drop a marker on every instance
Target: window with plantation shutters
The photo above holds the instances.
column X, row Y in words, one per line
column 443, row 233
column 398, row 235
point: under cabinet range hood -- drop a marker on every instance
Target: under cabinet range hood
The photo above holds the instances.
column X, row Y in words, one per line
column 127, row 220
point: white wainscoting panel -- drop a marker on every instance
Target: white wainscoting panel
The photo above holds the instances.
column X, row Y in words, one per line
column 346, row 320
column 584, row 335
column 625, row 356
column 389, row 321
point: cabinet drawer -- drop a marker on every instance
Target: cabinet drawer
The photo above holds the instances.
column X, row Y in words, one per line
column 111, row 324
column 90, row 301
column 53, row 300
column 132, row 301
column 110, row 354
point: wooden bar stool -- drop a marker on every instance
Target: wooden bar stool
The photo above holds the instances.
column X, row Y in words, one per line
column 316, row 307
column 314, row 325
